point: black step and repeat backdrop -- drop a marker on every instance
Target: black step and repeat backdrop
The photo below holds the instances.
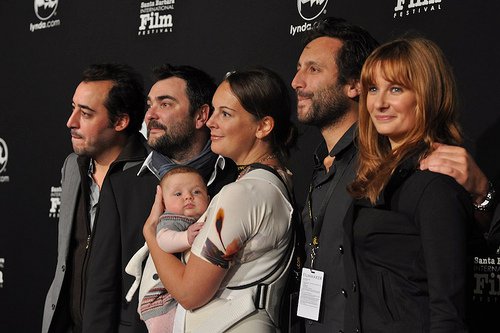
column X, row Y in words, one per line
column 45, row 44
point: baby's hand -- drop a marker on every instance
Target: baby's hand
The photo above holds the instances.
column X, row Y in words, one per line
column 193, row 231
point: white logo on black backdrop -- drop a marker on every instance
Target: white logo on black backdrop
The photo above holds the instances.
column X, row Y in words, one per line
column 44, row 11
column 487, row 279
column 155, row 17
column 2, row 263
column 55, row 201
column 411, row 7
column 4, row 158
column 308, row 10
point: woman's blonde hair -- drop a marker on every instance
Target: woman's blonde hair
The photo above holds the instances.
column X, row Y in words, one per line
column 417, row 64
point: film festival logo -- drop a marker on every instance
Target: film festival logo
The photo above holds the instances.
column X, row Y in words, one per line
column 155, row 17
column 2, row 263
column 411, row 7
column 55, row 201
column 45, row 10
column 4, row 158
column 486, row 280
column 308, row 10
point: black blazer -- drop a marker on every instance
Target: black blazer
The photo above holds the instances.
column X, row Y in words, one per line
column 124, row 205
column 409, row 254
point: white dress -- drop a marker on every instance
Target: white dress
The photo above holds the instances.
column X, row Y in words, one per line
column 247, row 230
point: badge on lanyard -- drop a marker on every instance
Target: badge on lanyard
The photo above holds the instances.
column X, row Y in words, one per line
column 311, row 286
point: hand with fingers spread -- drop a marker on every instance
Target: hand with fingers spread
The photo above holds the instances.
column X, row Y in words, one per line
column 456, row 162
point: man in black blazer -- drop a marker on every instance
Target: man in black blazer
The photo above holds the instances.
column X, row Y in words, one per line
column 179, row 104
column 108, row 109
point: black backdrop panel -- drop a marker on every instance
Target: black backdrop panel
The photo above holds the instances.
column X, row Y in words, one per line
column 45, row 44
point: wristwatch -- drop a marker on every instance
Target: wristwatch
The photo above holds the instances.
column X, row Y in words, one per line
column 488, row 201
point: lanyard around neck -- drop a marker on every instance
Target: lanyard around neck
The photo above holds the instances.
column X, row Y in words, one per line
column 318, row 222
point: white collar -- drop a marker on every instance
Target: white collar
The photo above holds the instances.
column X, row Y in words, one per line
column 221, row 162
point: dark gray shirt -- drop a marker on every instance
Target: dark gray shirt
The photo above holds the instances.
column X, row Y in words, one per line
column 329, row 257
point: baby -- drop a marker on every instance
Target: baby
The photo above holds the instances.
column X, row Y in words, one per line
column 185, row 199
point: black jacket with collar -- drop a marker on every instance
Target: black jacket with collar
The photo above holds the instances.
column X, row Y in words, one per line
column 409, row 254
column 123, row 205
column 330, row 257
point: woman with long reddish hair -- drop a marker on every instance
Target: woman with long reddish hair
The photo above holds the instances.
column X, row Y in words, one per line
column 407, row 226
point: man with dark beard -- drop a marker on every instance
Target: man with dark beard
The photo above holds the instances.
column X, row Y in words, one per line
column 178, row 109
column 328, row 89
column 179, row 104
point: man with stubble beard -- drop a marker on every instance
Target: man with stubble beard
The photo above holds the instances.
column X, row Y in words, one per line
column 328, row 89
column 179, row 104
column 108, row 110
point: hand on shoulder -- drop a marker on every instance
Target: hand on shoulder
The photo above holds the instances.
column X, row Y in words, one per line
column 456, row 162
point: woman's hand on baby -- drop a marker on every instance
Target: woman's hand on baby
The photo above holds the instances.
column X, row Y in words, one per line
column 193, row 231
column 154, row 216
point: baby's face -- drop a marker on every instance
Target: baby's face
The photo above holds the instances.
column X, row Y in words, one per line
column 185, row 194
